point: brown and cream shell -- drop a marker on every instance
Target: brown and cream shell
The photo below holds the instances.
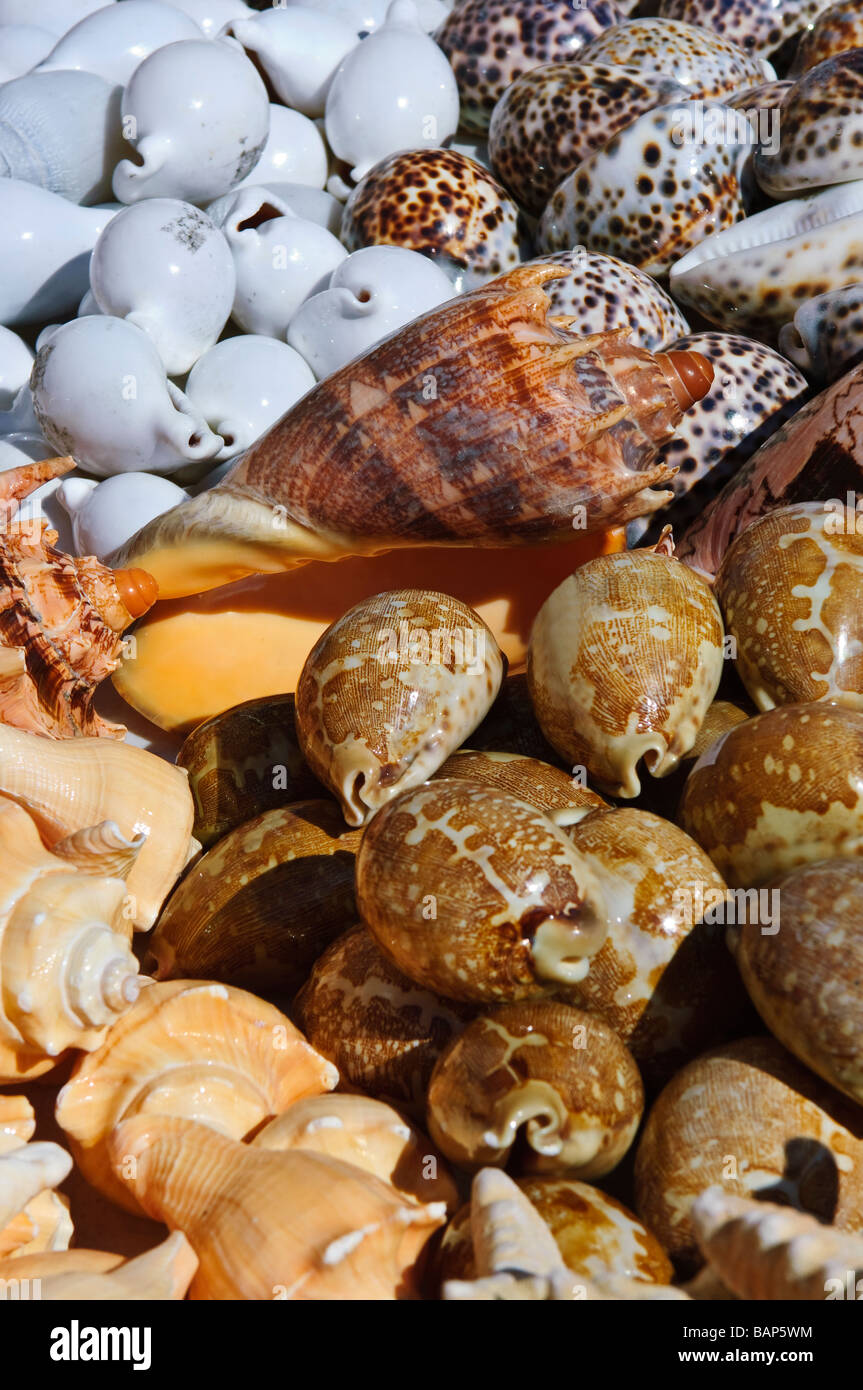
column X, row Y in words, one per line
column 759, row 27
column 564, row 799
column 821, row 142
column 705, row 62
column 835, row 30
column 598, row 294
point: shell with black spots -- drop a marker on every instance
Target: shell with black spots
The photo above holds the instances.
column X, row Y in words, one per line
column 834, row 31
column 599, row 294
column 708, row 64
column 825, row 337
column 760, row 27
column 821, row 140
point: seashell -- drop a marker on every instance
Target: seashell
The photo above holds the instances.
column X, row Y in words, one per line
column 83, row 398
column 212, row 15
column 61, row 132
column 650, row 194
column 243, row 385
column 368, row 1134
column 17, row 1122
column 663, row 979
column 445, row 881
column 764, row 96
column 22, row 46
column 705, row 62
column 753, row 277
column 834, row 30
column 751, row 1118
column 490, row 44
column 389, row 691
column 561, row 394
column 443, row 204
column 779, row 791
column 16, row 361
column 70, row 784
column 822, row 131
column 164, row 1273
column 314, row 204
column 295, row 151
column 201, row 117
column 296, row 1226
column 825, row 337
column 66, row 970
column 790, row 588
column 552, row 117
column 755, row 391
column 206, row 1052
column 259, row 907
column 382, row 1031
column 45, row 245
column 60, row 621
column 27, row 1175
column 805, row 979
column 601, row 293
column 764, row 1251
column 552, row 1076
column 53, row 15
column 548, row 788
column 757, row 26
column 299, row 48
column 416, row 100
column 510, row 725
column 163, row 266
column 625, row 658
column 372, row 293
column 242, row 763
column 105, row 515
column 112, row 41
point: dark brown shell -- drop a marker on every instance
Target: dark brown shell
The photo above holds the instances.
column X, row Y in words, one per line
column 511, row 726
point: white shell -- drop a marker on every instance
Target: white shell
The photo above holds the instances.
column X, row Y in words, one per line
column 164, row 266
column 315, row 204
column 16, row 361
column 212, row 15
column 105, row 515
column 243, row 385
column 367, row 16
column 45, row 243
column 279, row 262
column 200, row 115
column 22, row 46
column 61, row 131
column 114, row 40
column 394, row 91
column 100, row 394
column 54, row 15
column 299, row 49
column 295, row 152
column 375, row 291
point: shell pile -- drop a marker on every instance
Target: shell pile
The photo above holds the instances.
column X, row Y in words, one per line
column 444, row 426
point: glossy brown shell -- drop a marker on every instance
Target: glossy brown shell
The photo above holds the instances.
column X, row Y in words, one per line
column 547, row 787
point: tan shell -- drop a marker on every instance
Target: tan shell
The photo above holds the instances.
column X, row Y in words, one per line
column 555, row 1078
column 549, row 788
column 663, row 979
column 625, row 658
column 750, row 1117
column 244, row 762
column 269, row 1225
column 390, row 690
column 781, row 790
column 791, row 591
column 259, row 907
column 764, row 1251
column 71, row 784
column 805, row 972
column 383, row 1031
column 447, row 884
column 204, row 1051
column 369, row 1134
column 66, row 970
column 163, row 1273
column 17, row 1122
column 32, row 1216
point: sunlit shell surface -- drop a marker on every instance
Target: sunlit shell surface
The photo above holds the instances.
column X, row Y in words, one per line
column 758, row 26
column 821, row 134
column 708, row 64
column 601, row 293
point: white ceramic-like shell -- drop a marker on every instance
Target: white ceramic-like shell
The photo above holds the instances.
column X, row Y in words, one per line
column 116, row 38
column 299, row 48
column 44, row 246
column 61, row 131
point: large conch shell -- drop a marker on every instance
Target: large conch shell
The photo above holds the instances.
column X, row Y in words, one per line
column 763, row 1251
column 481, row 423
column 269, row 1225
column 203, row 1051
column 33, row 1217
column 70, row 786
column 60, row 618
column 97, row 1276
column 66, row 971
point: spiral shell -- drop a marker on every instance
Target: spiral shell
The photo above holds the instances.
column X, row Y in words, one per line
column 548, row 788
column 625, row 658
column 825, row 337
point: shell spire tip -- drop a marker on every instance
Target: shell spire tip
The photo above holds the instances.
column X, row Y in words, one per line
column 689, row 374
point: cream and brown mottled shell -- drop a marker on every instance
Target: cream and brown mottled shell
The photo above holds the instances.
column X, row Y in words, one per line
column 625, row 657
column 836, row 29
column 548, row 788
column 759, row 27
column 707, row 63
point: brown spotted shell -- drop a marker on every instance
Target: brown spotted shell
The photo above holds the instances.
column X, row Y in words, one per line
column 564, row 799
column 243, row 762
column 390, row 690
column 791, row 593
column 708, row 64
column 821, row 141
column 598, row 294
column 596, row 1235
column 750, row 1117
column 625, row 657
column 663, row 979
column 261, row 905
column 759, row 27
column 805, row 972
column 552, row 1076
column 835, row 30
column 383, row 1032
column 476, row 894
column 781, row 790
